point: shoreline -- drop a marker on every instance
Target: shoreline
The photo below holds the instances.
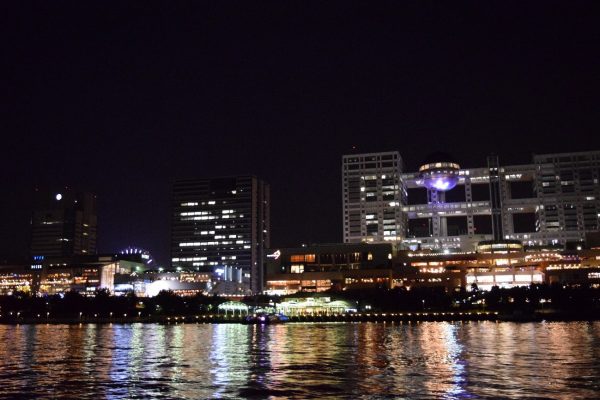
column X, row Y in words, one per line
column 441, row 316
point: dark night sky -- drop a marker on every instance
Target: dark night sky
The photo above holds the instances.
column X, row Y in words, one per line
column 120, row 99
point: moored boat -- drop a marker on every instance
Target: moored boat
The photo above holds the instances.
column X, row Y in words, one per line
column 266, row 318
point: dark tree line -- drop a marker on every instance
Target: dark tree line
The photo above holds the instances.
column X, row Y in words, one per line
column 526, row 298
column 102, row 304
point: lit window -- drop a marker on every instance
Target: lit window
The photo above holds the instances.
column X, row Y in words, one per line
column 297, row 268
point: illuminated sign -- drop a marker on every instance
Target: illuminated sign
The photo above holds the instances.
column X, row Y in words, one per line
column 275, row 255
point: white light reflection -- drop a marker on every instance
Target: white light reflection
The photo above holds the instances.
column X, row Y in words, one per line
column 443, row 360
column 457, row 361
column 229, row 358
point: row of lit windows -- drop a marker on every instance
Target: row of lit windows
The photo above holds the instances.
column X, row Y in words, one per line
column 303, row 258
column 194, row 203
column 534, row 277
column 194, row 213
column 220, row 227
column 211, row 243
column 226, row 236
column 245, row 247
column 349, row 281
column 210, row 217
column 176, row 259
column 311, row 258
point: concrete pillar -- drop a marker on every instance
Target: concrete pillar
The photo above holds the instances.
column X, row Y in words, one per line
column 469, row 200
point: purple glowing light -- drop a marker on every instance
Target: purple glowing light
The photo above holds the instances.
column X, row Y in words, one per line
column 441, row 183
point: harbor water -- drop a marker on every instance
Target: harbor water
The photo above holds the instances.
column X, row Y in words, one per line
column 302, row 360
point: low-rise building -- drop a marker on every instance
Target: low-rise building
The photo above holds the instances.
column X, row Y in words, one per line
column 54, row 275
column 301, row 269
column 318, row 268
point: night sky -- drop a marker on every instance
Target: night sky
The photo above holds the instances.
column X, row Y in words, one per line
column 122, row 98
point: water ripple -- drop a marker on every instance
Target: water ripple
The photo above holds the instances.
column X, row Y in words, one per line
column 358, row 361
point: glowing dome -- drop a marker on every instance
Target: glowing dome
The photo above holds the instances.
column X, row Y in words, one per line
column 439, row 175
column 145, row 254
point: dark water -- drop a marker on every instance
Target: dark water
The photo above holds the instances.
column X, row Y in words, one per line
column 356, row 361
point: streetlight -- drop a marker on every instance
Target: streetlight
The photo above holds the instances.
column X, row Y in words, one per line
column 423, row 304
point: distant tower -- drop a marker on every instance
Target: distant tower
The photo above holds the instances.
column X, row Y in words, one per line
column 63, row 224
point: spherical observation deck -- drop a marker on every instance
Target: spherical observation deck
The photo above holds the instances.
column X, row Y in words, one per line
column 439, row 175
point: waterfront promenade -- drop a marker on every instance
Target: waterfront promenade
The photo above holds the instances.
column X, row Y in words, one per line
column 449, row 316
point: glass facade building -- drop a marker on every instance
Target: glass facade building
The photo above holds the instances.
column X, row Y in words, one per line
column 222, row 226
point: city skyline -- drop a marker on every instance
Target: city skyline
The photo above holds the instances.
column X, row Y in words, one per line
column 407, row 174
column 303, row 199
column 91, row 105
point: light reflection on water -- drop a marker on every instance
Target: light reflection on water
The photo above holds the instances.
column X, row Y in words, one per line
column 367, row 360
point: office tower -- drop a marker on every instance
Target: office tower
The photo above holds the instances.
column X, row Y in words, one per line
column 222, row 226
column 568, row 193
column 63, row 223
column 373, row 195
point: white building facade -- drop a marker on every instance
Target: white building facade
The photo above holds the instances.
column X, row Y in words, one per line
column 553, row 201
column 373, row 195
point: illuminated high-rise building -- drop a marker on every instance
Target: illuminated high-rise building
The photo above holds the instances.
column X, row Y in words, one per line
column 222, row 226
column 568, row 191
column 554, row 201
column 63, row 223
column 373, row 196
